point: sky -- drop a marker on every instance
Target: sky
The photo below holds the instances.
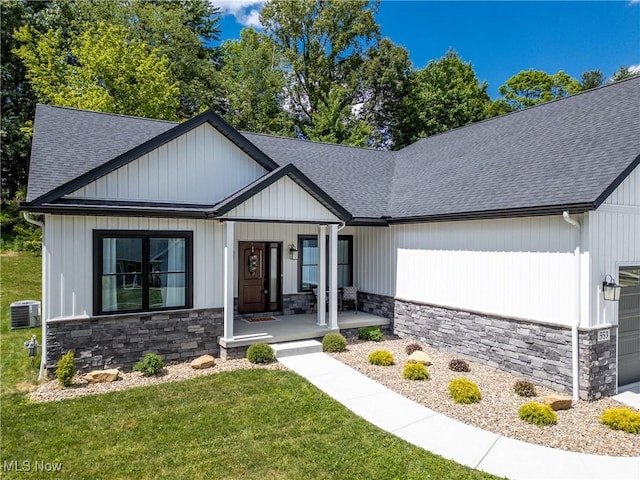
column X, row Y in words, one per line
column 499, row 38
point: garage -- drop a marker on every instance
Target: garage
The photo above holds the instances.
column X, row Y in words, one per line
column 629, row 326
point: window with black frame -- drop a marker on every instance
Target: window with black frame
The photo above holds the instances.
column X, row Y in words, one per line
column 141, row 271
column 308, row 261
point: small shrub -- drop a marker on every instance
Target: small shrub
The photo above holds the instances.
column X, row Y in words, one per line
column 524, row 388
column 415, row 371
column 334, row 342
column 414, row 347
column 464, row 391
column 538, row 414
column 624, row 419
column 66, row 369
column 150, row 365
column 459, row 365
column 260, row 353
column 371, row 334
column 381, row 357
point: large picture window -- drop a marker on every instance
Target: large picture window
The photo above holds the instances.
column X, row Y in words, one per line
column 141, row 271
column 308, row 261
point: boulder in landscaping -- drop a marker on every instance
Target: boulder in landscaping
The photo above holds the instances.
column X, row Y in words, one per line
column 420, row 357
column 102, row 376
column 205, row 361
column 558, row 402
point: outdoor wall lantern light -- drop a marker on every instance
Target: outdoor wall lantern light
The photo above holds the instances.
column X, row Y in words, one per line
column 610, row 289
column 293, row 252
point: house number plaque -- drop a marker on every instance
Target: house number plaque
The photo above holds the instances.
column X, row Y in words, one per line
column 604, row 335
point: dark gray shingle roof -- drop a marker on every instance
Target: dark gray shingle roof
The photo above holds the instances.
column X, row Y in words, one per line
column 562, row 153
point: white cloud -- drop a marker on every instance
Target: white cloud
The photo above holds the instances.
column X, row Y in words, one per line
column 247, row 12
column 634, row 68
column 631, row 2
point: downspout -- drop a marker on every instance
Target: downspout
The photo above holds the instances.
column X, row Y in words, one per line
column 575, row 360
column 43, row 356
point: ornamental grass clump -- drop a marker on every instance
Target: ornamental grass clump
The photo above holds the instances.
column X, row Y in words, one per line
column 66, row 369
column 334, row 342
column 415, row 371
column 624, row 419
column 381, row 357
column 150, row 365
column 524, row 388
column 414, row 347
column 464, row 391
column 459, row 365
column 371, row 334
column 260, row 353
column 538, row 414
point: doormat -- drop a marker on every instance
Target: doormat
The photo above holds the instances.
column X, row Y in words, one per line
column 260, row 319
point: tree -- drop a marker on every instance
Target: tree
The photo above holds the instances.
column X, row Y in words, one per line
column 449, row 95
column 531, row 87
column 622, row 74
column 254, row 85
column 323, row 43
column 103, row 70
column 591, row 79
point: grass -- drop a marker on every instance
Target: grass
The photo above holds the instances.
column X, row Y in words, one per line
column 243, row 424
column 20, row 274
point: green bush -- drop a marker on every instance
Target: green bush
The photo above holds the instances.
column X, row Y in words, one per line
column 371, row 334
column 414, row 347
column 524, row 388
column 150, row 365
column 381, row 357
column 334, row 342
column 459, row 365
column 260, row 353
column 415, row 371
column 538, row 414
column 464, row 391
column 624, row 419
column 66, row 369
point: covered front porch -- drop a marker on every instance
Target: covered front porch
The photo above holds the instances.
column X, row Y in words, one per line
column 285, row 328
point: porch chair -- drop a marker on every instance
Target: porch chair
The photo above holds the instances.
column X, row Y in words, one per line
column 350, row 294
column 314, row 308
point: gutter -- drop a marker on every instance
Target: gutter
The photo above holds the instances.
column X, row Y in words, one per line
column 43, row 356
column 575, row 360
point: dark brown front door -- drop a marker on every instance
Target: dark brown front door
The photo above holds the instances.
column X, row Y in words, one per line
column 258, row 277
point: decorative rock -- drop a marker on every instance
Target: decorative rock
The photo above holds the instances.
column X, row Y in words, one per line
column 205, row 361
column 420, row 357
column 102, row 376
column 558, row 402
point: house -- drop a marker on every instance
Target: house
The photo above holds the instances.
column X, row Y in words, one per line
column 492, row 240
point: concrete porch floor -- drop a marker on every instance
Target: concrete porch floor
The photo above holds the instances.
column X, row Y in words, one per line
column 287, row 328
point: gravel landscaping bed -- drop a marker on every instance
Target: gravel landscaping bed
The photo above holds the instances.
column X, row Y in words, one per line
column 578, row 429
column 50, row 391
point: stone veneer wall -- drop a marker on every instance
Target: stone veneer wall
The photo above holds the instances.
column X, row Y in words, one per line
column 297, row 303
column 379, row 305
column 120, row 341
column 537, row 351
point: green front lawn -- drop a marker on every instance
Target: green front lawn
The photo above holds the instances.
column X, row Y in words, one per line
column 244, row 424
column 20, row 279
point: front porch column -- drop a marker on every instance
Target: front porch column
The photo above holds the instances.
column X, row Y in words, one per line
column 322, row 280
column 229, row 256
column 333, row 277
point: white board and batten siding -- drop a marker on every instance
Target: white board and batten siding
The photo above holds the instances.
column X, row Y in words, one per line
column 201, row 166
column 68, row 256
column 614, row 236
column 283, row 200
column 374, row 259
column 519, row 268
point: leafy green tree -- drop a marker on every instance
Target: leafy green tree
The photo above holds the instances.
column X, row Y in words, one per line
column 254, row 85
column 324, row 44
column 622, row 74
column 531, row 87
column 103, row 71
column 449, row 95
column 591, row 79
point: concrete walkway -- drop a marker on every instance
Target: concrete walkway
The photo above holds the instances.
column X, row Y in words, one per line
column 450, row 438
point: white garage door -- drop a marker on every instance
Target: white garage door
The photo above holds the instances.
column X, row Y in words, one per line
column 629, row 326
